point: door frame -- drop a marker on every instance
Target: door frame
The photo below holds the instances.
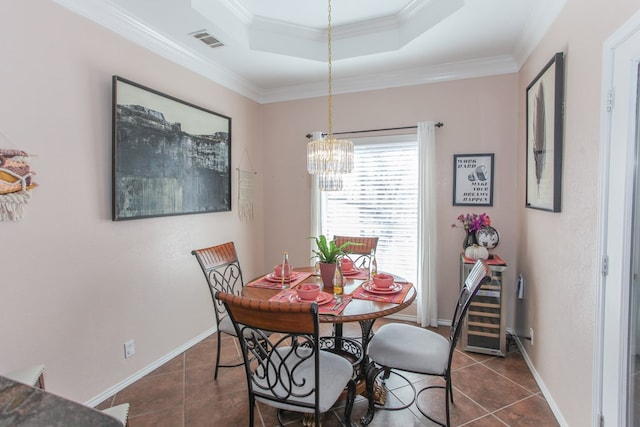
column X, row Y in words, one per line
column 621, row 58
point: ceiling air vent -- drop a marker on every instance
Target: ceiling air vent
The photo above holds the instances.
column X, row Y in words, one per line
column 206, row 38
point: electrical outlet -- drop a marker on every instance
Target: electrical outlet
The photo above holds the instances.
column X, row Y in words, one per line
column 129, row 349
column 531, row 335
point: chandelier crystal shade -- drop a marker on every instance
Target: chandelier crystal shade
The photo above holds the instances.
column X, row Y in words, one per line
column 329, row 181
column 330, row 155
column 327, row 157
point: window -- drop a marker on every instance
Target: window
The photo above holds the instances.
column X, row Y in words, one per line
column 380, row 198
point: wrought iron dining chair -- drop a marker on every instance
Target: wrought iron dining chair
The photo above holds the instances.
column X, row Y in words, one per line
column 34, row 377
column 360, row 253
column 289, row 371
column 414, row 349
column 221, row 269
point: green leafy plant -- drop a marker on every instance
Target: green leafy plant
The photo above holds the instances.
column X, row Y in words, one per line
column 328, row 252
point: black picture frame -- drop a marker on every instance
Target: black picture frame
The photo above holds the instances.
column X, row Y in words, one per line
column 473, row 179
column 170, row 157
column 545, row 117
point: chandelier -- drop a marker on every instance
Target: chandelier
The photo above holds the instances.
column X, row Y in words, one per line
column 327, row 157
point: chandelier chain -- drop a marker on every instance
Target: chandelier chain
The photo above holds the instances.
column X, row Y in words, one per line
column 330, row 99
column 329, row 158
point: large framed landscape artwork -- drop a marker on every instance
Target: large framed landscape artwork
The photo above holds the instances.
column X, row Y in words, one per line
column 170, row 157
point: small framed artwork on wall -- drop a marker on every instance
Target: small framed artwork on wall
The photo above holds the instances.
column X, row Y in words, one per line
column 544, row 136
column 473, row 179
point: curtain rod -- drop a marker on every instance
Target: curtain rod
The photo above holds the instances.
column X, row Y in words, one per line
column 438, row 125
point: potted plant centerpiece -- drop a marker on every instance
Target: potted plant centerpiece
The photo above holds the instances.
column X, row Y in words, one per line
column 328, row 253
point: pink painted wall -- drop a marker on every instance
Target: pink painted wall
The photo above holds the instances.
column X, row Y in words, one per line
column 480, row 116
column 557, row 251
column 75, row 285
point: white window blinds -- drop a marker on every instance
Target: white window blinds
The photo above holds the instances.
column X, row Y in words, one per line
column 380, row 198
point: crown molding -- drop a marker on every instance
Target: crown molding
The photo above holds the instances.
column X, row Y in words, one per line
column 371, row 36
column 112, row 17
column 234, row 6
column 409, row 77
column 546, row 12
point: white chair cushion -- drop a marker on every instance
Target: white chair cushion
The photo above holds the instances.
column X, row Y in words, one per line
column 29, row 375
column 410, row 348
column 226, row 326
column 119, row 412
column 335, row 373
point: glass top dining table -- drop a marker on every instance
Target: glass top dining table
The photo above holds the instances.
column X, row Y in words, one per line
column 357, row 310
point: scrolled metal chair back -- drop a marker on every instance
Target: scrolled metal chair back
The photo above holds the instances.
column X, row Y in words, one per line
column 360, row 253
column 285, row 365
column 221, row 268
column 478, row 275
column 274, row 373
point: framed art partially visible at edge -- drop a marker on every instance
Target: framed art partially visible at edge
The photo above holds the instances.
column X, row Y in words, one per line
column 545, row 116
column 170, row 157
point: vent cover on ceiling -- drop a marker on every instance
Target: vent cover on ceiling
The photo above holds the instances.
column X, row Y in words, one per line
column 206, row 38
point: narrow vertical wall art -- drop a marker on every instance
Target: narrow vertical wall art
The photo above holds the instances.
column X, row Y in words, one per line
column 246, row 180
column 545, row 117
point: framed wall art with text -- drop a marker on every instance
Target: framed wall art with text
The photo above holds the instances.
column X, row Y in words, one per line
column 473, row 179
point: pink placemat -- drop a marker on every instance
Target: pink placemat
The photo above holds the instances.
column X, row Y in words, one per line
column 396, row 298
column 263, row 282
column 332, row 307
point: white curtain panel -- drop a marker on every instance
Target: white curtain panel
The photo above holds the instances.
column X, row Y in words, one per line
column 316, row 205
column 426, row 286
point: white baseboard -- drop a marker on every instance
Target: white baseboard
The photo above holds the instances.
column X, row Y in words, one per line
column 135, row 377
column 545, row 391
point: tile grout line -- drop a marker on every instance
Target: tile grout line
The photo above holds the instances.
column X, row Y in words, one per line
column 511, row 404
column 493, row 413
column 479, row 418
column 474, row 361
column 488, row 412
column 509, row 379
column 494, row 371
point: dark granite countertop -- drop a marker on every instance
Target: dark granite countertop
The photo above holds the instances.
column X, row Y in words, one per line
column 22, row 405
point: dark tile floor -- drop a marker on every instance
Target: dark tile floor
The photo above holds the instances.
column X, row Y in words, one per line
column 488, row 391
